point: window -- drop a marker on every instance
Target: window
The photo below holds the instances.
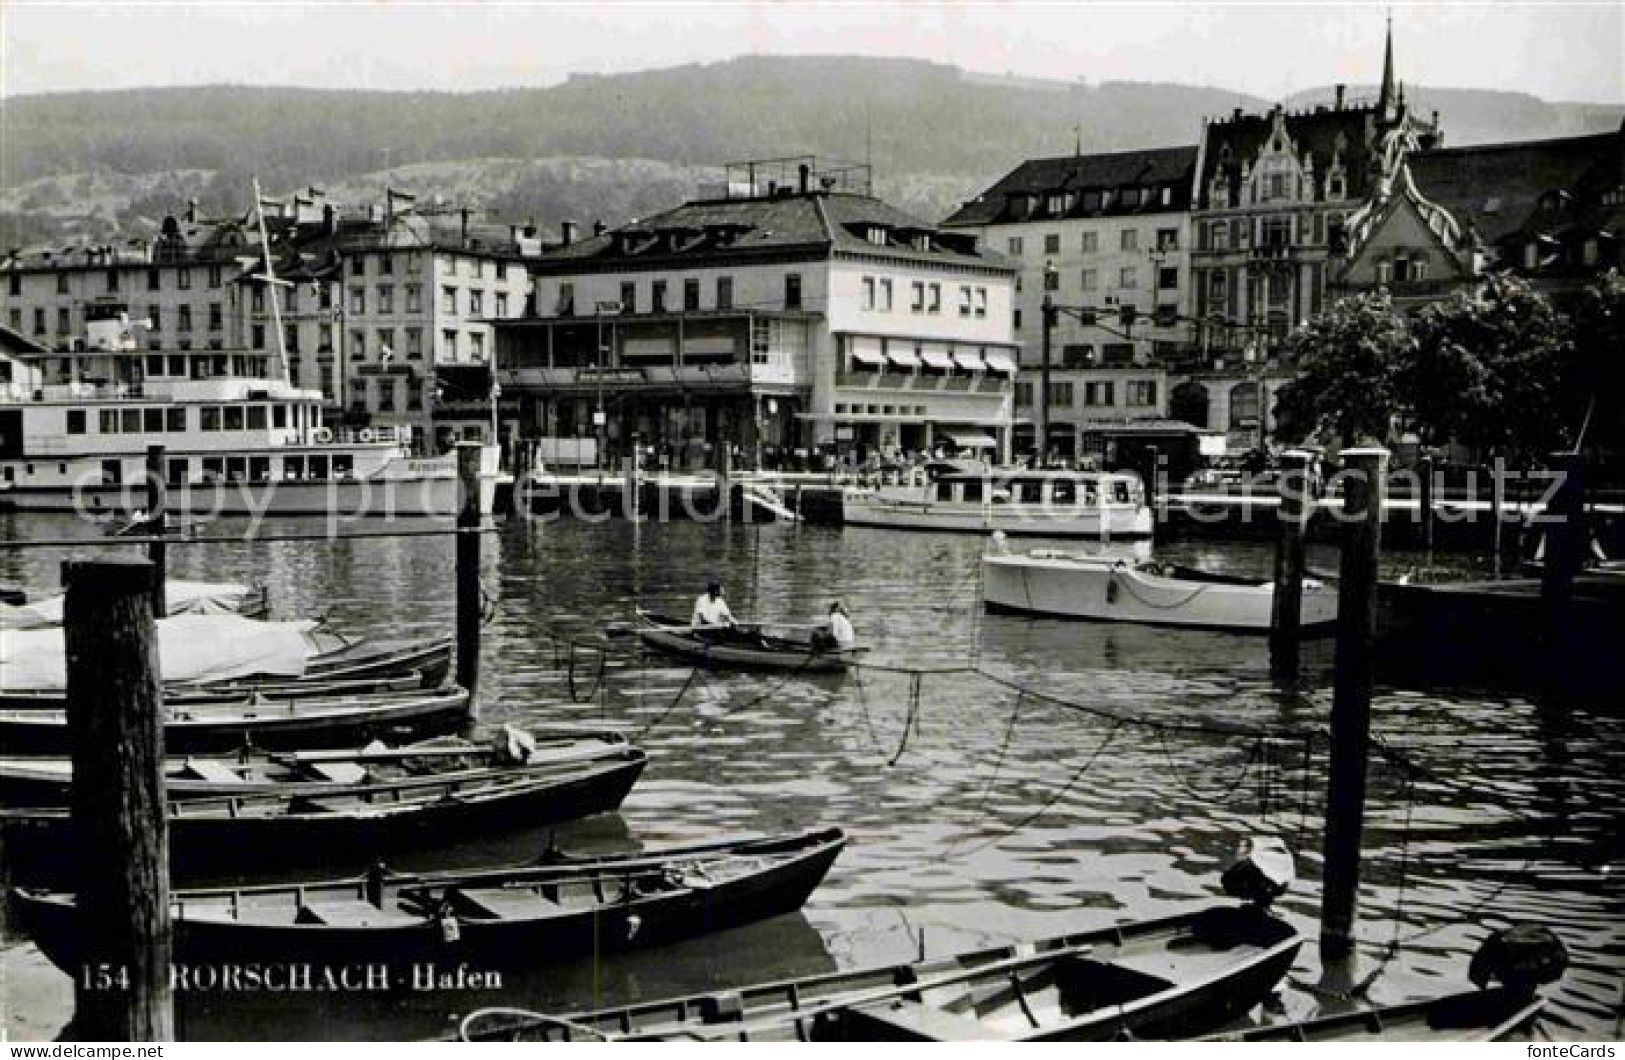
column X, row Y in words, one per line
column 155, row 320
column 324, row 338
column 725, row 292
column 1168, row 279
column 1220, row 232
column 1052, row 280
column 1100, row 394
column 217, row 317
column 1128, row 239
column 214, row 277
column 14, row 316
column 1089, row 242
column 414, row 264
column 61, row 283
column 386, row 342
column 1128, row 278
column 917, row 302
column 256, row 417
column 1014, row 243
column 691, row 295
column 1060, row 393
column 76, row 421
column 1091, row 279
column 502, row 303
column 1141, row 392
column 1277, row 189
column 448, row 299
column 629, row 297
column 792, row 291
column 476, row 303
column 183, row 279
column 112, row 279
column 657, row 296
column 108, row 421
column 358, row 344
column 154, row 280
column 290, row 338
column 1052, row 243
column 1117, row 354
column 981, row 301
column 1024, row 393
column 478, row 265
column 1130, row 197
column 502, row 270
column 414, row 344
column 62, row 325
column 358, row 299
column 414, row 298
column 933, row 302
column 386, row 298
column 358, row 265
column 966, row 302
column 869, row 293
column 386, row 265
column 39, row 320
column 1092, row 200
column 476, row 345
column 1419, row 265
column 1167, row 239
column 448, row 343
column 259, row 337
column 1077, row 355
column 1015, row 319
column 233, row 420
column 175, row 420
column 885, row 295
column 183, row 320
column 1334, row 188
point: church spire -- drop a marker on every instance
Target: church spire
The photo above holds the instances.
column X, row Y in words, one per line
column 1385, row 100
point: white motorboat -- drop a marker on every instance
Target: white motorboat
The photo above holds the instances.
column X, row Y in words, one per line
column 972, row 499
column 1071, row 585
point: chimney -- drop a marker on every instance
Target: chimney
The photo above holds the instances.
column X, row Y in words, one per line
column 567, row 232
column 463, row 213
column 330, row 219
column 803, row 171
column 191, row 211
column 1340, row 90
column 599, row 228
column 1235, row 115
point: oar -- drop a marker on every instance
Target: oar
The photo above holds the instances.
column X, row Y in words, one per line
column 876, row 996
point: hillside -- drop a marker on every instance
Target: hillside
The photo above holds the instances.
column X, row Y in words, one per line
column 607, row 147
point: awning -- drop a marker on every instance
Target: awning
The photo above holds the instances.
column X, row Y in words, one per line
column 903, row 356
column 999, row 361
column 972, row 440
column 970, row 360
column 866, row 355
column 937, row 358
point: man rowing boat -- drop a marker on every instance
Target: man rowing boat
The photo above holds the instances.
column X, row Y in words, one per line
column 711, row 610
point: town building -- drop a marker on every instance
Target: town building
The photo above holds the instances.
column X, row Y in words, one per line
column 1273, row 199
column 788, row 313
column 1103, row 240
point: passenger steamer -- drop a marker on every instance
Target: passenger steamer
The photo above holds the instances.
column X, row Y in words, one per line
column 968, row 499
column 75, row 428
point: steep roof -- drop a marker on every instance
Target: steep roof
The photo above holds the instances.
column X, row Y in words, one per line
column 1320, row 133
column 1118, row 169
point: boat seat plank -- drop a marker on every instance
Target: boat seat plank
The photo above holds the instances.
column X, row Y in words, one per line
column 351, row 913
column 338, row 772
column 501, row 903
column 905, row 1020
column 210, row 770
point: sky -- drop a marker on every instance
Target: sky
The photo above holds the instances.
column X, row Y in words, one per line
column 1559, row 51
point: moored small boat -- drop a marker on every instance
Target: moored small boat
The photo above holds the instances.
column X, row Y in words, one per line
column 1491, row 1015
column 225, row 725
column 744, row 647
column 280, row 829
column 1072, row 585
column 232, row 691
column 40, row 780
column 515, row 917
column 1169, row 977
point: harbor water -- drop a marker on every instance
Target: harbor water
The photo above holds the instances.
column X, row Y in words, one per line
column 1021, row 789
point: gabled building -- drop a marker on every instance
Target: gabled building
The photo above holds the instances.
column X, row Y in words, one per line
column 1107, row 238
column 785, row 313
column 1274, row 197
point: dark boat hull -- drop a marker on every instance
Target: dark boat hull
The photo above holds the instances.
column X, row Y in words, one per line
column 233, row 691
column 1491, row 1015
column 529, row 943
column 209, row 839
column 731, row 650
column 278, row 724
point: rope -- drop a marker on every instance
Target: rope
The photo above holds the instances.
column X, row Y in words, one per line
column 1134, row 592
column 998, row 759
column 688, row 682
column 603, row 664
column 909, row 720
column 1179, row 780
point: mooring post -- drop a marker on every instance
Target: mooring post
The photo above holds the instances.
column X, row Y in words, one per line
column 468, row 567
column 1565, row 534
column 630, row 502
column 115, row 725
column 1424, row 469
column 1286, row 606
column 157, row 520
column 1364, row 478
column 724, row 479
column 1497, row 501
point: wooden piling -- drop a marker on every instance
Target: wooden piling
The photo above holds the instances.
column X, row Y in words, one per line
column 1424, row 469
column 630, row 501
column 1286, row 605
column 1564, row 529
column 157, row 507
column 115, row 724
column 468, row 567
column 1364, row 477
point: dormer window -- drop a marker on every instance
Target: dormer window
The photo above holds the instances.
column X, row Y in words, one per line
column 1335, row 188
column 877, row 235
column 1056, row 203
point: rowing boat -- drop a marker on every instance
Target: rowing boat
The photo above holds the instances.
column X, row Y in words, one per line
column 514, row 917
column 249, row 719
column 41, row 780
column 278, row 830
column 741, row 647
column 229, row 691
column 1491, row 1015
column 1169, row 977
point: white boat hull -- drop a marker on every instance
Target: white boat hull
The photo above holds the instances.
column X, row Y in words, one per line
column 1115, row 591
column 1109, row 521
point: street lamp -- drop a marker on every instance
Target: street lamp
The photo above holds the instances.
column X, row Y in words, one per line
column 1048, row 313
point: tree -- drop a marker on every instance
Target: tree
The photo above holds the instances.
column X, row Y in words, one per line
column 1598, row 375
column 1349, row 360
column 1491, row 368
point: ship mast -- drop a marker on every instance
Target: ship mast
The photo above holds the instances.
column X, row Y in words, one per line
column 273, row 283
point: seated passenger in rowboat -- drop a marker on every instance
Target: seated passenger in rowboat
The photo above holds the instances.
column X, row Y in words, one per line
column 839, row 636
column 711, row 610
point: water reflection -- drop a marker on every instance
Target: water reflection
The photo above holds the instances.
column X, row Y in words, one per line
column 980, row 815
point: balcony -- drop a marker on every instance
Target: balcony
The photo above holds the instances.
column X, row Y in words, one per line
column 991, row 383
column 731, row 376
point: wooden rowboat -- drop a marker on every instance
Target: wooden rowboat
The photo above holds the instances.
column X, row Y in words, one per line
column 40, row 780
column 249, row 720
column 225, row 692
column 515, row 917
column 278, row 830
column 1491, row 1015
column 430, row 659
column 741, row 647
column 1170, row 977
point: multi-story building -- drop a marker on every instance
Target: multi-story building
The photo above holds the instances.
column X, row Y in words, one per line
column 1104, row 240
column 1273, row 196
column 786, row 312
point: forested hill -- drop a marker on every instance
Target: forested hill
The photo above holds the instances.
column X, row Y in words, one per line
column 596, row 146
